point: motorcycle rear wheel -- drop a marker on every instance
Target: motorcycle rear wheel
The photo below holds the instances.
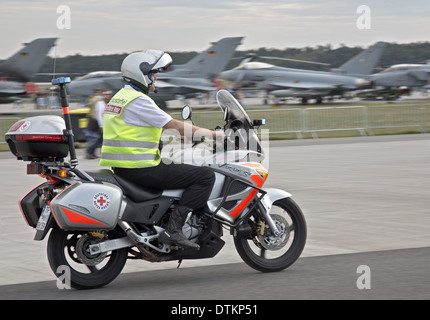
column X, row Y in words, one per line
column 266, row 253
column 62, row 252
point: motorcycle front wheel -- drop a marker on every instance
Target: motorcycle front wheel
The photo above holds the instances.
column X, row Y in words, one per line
column 267, row 253
column 69, row 249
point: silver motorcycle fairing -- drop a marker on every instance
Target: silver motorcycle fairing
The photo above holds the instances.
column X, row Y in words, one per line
column 272, row 195
column 230, row 198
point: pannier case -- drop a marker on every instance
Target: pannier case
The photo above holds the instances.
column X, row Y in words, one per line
column 88, row 206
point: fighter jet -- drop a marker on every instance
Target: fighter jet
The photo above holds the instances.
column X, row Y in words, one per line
column 181, row 80
column 396, row 80
column 22, row 66
column 289, row 82
column 402, row 75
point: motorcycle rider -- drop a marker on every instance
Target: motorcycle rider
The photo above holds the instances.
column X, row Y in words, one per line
column 133, row 124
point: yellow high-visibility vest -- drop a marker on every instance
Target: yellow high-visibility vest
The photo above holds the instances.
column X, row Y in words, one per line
column 124, row 145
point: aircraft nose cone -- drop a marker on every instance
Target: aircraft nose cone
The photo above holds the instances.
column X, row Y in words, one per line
column 363, row 83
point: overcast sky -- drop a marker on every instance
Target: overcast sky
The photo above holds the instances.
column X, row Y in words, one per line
column 116, row 26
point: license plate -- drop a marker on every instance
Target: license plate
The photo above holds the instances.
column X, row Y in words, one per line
column 43, row 219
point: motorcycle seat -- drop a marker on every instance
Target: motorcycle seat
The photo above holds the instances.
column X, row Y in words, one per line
column 132, row 190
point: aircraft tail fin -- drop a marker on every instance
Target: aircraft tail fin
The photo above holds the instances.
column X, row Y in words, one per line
column 211, row 62
column 24, row 64
column 364, row 62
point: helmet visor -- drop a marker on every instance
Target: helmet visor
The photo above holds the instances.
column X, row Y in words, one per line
column 163, row 63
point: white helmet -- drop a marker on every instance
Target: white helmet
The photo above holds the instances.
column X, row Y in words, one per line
column 138, row 67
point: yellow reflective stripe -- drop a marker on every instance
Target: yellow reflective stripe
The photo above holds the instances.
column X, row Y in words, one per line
column 130, row 157
column 130, row 144
column 130, row 163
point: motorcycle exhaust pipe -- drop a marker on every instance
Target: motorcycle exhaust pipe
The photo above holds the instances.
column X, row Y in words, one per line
column 129, row 232
column 136, row 239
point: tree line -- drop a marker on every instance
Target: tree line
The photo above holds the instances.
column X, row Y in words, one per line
column 418, row 52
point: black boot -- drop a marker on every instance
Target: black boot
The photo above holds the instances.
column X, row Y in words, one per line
column 173, row 233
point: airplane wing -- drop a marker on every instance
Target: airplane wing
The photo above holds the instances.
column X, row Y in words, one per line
column 305, row 88
column 304, row 85
column 160, row 84
column 199, row 88
column 11, row 88
column 88, row 86
column 166, row 85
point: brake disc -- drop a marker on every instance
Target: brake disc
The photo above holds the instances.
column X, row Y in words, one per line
column 270, row 242
column 84, row 253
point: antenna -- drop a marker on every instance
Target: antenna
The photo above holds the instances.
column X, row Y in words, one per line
column 55, row 62
column 252, row 56
column 61, row 82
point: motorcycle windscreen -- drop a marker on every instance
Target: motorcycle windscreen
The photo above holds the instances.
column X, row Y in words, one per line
column 88, row 206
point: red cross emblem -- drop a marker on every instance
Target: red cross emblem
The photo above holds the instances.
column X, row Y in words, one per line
column 101, row 201
column 25, row 126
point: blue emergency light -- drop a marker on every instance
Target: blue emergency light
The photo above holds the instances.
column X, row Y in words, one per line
column 62, row 80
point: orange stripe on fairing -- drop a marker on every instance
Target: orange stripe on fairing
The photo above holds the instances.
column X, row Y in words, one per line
column 78, row 218
column 259, row 181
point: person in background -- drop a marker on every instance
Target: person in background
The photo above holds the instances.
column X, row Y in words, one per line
column 94, row 128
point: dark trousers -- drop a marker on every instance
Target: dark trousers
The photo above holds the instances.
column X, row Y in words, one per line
column 197, row 181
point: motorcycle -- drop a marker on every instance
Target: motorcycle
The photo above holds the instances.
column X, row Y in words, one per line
column 98, row 220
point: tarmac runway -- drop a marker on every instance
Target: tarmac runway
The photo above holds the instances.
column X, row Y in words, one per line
column 392, row 274
column 363, row 195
